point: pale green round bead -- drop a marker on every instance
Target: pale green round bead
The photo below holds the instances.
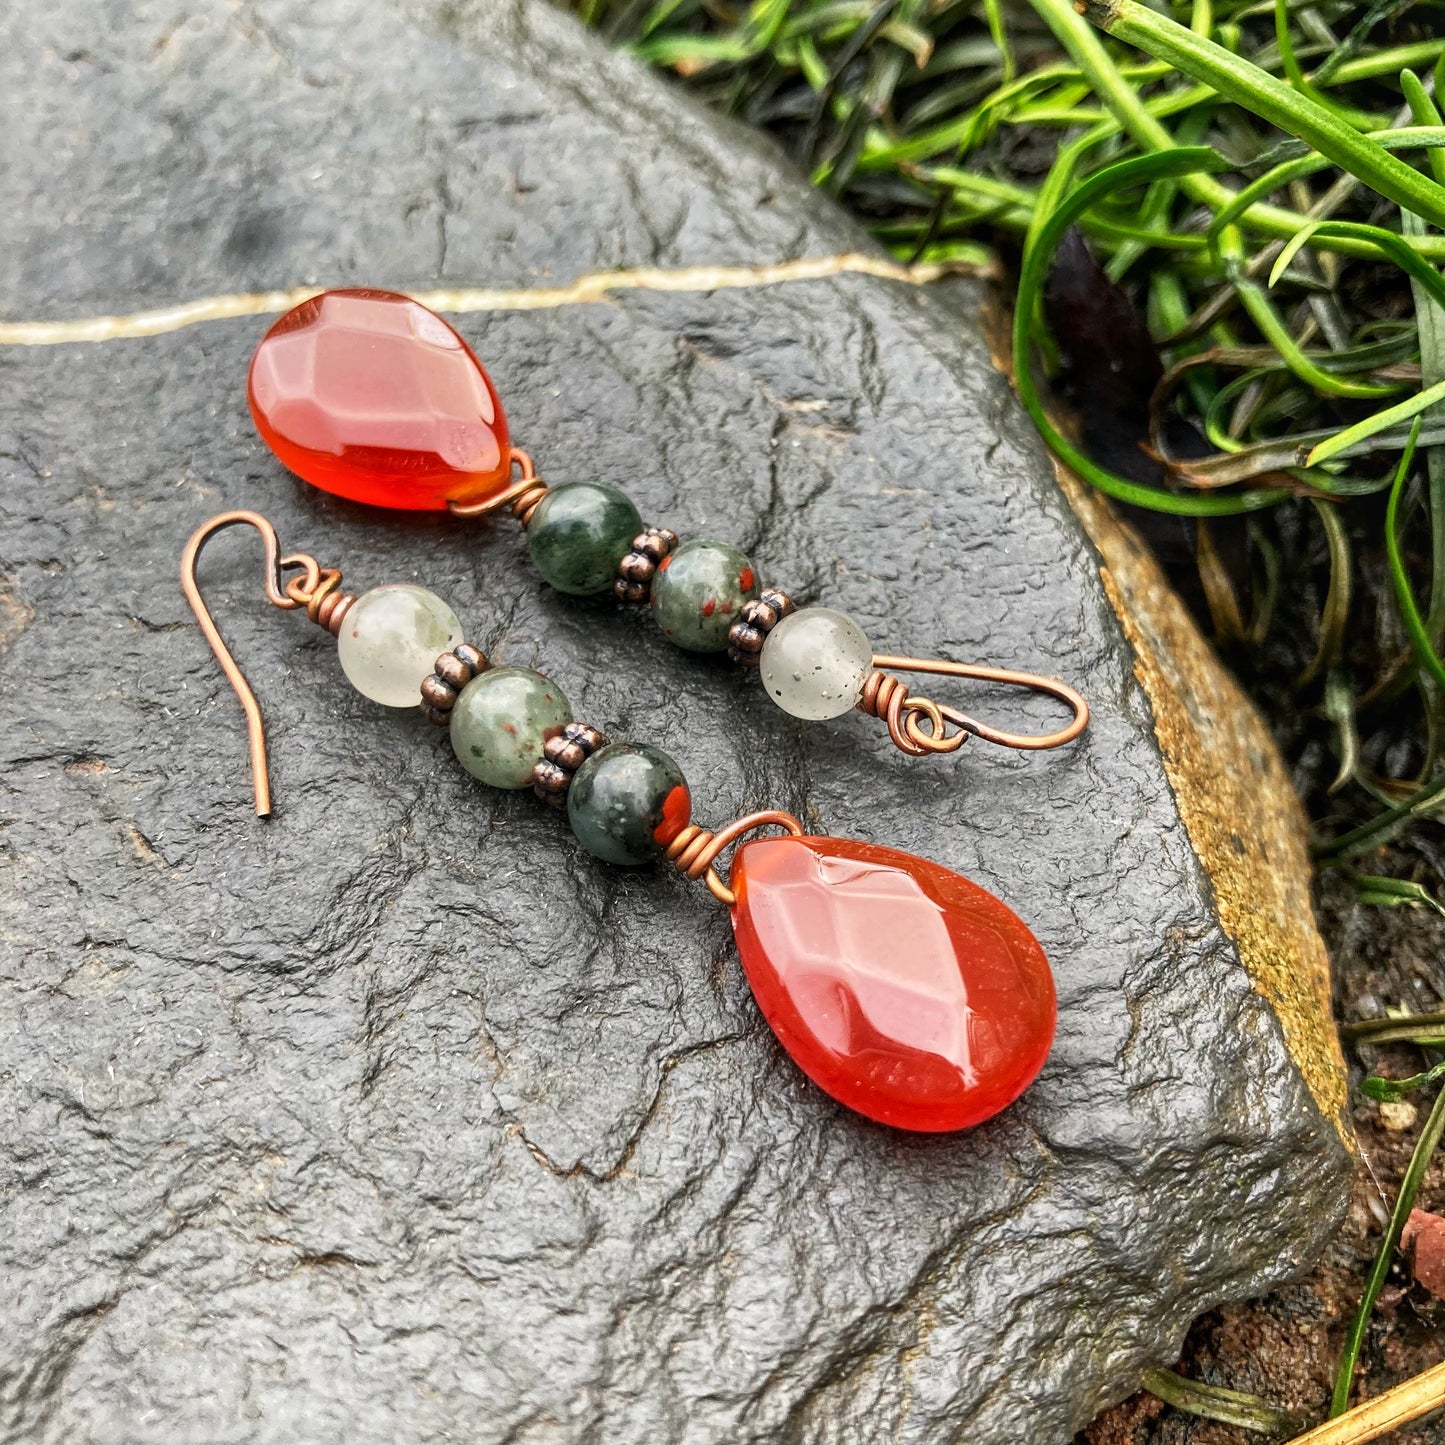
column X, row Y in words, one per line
column 390, row 639
column 501, row 720
column 698, row 591
column 814, row 663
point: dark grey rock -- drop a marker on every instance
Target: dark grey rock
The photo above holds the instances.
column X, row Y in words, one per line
column 399, row 1118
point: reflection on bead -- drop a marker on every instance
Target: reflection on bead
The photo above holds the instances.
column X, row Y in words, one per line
column 904, row 990
column 578, row 534
column 500, row 724
column 370, row 395
column 814, row 662
column 698, row 592
column 390, row 638
column 627, row 803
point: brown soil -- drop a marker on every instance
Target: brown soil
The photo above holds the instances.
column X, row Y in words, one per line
column 1285, row 1346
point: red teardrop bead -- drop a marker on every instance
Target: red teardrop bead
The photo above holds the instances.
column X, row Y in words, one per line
column 904, row 990
column 369, row 395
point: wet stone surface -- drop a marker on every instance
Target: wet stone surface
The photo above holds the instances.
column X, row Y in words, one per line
column 400, row 1116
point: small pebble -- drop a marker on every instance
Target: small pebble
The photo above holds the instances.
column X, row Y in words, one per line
column 1398, row 1115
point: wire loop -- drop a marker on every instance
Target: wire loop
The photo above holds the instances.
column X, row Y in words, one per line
column 523, row 495
column 316, row 591
column 695, row 849
column 887, row 697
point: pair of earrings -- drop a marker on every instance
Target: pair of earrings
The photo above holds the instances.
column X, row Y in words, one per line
column 905, row 991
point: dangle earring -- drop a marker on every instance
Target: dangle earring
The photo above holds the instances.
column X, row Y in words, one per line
column 371, row 396
column 908, row 993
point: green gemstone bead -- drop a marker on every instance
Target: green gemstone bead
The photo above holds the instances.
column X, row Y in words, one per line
column 579, row 533
column 500, row 721
column 698, row 591
column 627, row 802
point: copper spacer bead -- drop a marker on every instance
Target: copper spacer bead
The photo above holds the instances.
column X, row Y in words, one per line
column 586, row 737
column 564, row 750
column 635, row 567
column 745, row 642
column 569, row 748
column 767, row 609
column 452, row 671
column 756, row 619
column 655, row 543
column 438, row 694
column 473, row 657
column 550, row 782
column 564, row 753
column 459, row 666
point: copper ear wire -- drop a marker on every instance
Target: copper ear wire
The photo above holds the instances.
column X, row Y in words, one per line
column 315, row 590
column 887, row 697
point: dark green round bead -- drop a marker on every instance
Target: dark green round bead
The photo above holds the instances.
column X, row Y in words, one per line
column 698, row 592
column 579, row 533
column 627, row 802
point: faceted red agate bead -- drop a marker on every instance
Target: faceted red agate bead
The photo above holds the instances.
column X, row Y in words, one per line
column 906, row 992
column 369, row 395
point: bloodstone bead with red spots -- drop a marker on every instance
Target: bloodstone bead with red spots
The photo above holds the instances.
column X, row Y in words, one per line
column 627, row 802
column 369, row 395
column 908, row 993
column 698, row 592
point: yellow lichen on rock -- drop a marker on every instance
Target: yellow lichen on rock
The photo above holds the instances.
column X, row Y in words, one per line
column 1242, row 815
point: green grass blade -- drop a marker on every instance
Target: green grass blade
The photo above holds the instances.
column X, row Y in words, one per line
column 1422, row 803
column 1291, row 249
column 1212, row 1402
column 1390, row 416
column 1404, row 1202
column 1404, row 595
column 1387, row 1091
column 1172, row 164
column 1271, row 99
column 1135, row 118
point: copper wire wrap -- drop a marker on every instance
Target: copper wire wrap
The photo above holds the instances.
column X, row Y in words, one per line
column 886, row 696
column 695, row 849
column 522, row 496
column 315, row 590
